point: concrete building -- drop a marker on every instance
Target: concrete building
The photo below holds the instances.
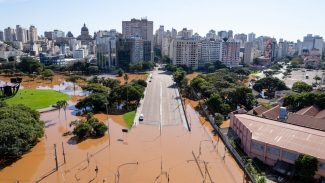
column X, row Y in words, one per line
column 212, row 35
column 58, row 34
column 139, row 28
column 230, row 53
column 210, row 51
column 21, row 34
column 165, row 47
column 160, row 33
column 48, row 35
column 313, row 42
column 230, row 34
column 242, row 38
column 106, row 52
column 33, row 36
column 251, row 37
column 223, row 34
column 185, row 33
column 2, row 37
column 275, row 142
column 184, row 52
column 10, row 34
column 85, row 37
column 249, row 53
column 79, row 54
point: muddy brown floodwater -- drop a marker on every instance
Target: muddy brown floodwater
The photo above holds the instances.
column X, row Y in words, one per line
column 145, row 154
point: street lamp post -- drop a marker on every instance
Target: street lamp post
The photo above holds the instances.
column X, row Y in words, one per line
column 109, row 136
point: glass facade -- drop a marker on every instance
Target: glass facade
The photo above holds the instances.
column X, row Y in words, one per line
column 273, row 151
column 257, row 146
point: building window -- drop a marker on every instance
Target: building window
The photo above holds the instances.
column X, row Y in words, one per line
column 257, row 146
column 289, row 155
column 274, row 151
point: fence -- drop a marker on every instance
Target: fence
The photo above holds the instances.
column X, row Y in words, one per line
column 225, row 140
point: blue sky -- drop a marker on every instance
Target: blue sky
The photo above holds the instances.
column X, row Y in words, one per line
column 288, row 19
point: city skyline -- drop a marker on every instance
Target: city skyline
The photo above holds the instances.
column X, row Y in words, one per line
column 235, row 15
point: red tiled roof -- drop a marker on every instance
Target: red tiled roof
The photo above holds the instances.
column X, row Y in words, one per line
column 321, row 114
column 306, row 121
column 259, row 110
column 310, row 111
column 272, row 113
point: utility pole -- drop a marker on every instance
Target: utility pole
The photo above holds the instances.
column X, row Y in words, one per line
column 63, row 153
column 56, row 159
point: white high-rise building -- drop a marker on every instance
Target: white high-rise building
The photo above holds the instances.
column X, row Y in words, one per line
column 185, row 33
column 58, row 34
column 184, row 52
column 10, row 34
column 248, row 53
column 33, row 33
column 211, row 35
column 313, row 42
column 165, row 48
column 231, row 53
column 210, row 51
column 242, row 38
column 21, row 34
column 251, row 37
column 160, row 33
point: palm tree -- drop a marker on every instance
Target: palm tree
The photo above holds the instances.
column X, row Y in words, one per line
column 317, row 78
column 63, row 104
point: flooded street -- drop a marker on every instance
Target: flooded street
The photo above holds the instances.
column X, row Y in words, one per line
column 147, row 153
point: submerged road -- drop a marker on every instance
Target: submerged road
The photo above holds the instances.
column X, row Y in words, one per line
column 162, row 105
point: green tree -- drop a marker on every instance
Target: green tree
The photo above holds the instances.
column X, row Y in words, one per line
column 306, row 167
column 20, row 129
column 73, row 79
column 214, row 102
column 111, row 83
column 218, row 118
column 317, row 78
column 96, row 88
column 301, row 86
column 30, row 65
column 95, row 101
column 271, row 84
column 120, row 72
column 179, row 75
column 47, row 73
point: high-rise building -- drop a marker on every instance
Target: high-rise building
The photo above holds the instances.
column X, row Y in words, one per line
column 106, row 52
column 33, row 37
column 160, row 33
column 1, row 36
column 230, row 53
column 165, row 48
column 248, row 53
column 10, row 34
column 21, row 34
column 230, row 34
column 139, row 28
column 58, row 34
column 210, row 51
column 48, row 35
column 174, row 33
column 313, row 42
column 223, row 34
column 251, row 37
column 185, row 33
column 242, row 38
column 211, row 34
column 184, row 52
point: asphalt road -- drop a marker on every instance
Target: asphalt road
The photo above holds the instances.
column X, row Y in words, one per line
column 161, row 104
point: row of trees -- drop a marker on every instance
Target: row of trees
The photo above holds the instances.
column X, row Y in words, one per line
column 20, row 129
column 110, row 93
column 298, row 101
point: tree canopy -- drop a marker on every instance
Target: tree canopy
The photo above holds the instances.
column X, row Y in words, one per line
column 20, row 129
column 271, row 84
column 301, row 86
column 91, row 127
column 306, row 167
column 298, row 101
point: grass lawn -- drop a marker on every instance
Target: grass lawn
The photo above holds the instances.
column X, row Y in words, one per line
column 128, row 118
column 37, row 99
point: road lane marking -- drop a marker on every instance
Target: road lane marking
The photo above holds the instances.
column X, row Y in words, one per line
column 160, row 107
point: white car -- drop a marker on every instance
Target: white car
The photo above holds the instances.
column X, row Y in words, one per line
column 141, row 117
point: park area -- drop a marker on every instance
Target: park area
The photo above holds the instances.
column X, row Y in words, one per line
column 37, row 99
